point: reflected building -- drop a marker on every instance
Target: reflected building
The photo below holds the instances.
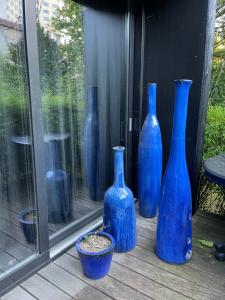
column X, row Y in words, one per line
column 46, row 11
column 10, row 23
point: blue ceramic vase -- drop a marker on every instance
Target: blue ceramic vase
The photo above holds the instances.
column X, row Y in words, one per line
column 58, row 185
column 119, row 216
column 174, row 228
column 150, row 159
column 91, row 143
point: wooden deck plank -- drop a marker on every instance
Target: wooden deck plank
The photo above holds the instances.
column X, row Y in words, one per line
column 13, row 247
column 203, row 259
column 166, row 279
column 14, row 232
column 183, row 271
column 108, row 285
column 129, row 276
column 6, row 261
column 90, row 293
column 143, row 284
column 64, row 280
column 18, row 293
column 182, row 285
column 200, row 230
column 139, row 274
column 42, row 289
column 210, row 221
column 12, row 239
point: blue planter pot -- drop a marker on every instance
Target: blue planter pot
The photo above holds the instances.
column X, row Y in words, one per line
column 91, row 143
column 28, row 226
column 174, row 228
column 96, row 265
column 119, row 210
column 150, row 160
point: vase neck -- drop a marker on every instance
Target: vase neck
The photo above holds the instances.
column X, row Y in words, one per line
column 118, row 167
column 182, row 88
column 151, row 105
column 92, row 99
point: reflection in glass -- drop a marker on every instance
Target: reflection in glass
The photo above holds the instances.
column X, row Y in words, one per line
column 82, row 71
column 17, row 208
column 90, row 142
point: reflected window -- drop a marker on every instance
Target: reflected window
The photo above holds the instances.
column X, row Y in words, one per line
column 82, row 68
column 17, row 207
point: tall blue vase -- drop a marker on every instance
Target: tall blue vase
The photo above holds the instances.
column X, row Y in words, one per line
column 91, row 143
column 174, row 228
column 58, row 186
column 119, row 216
column 150, row 159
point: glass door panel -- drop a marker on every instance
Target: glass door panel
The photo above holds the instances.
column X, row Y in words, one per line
column 82, row 61
column 17, row 205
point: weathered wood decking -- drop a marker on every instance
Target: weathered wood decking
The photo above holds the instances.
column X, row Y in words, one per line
column 138, row 274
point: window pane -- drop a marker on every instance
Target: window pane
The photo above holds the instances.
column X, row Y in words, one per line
column 82, row 71
column 17, row 209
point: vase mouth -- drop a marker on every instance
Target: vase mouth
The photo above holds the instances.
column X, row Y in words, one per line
column 183, row 81
column 119, row 148
column 152, row 84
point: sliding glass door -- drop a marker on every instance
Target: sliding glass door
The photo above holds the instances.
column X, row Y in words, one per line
column 17, row 206
column 82, row 73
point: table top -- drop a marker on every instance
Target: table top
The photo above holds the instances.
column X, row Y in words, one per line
column 26, row 140
column 215, row 166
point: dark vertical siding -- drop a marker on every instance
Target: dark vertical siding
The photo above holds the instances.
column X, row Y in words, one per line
column 175, row 47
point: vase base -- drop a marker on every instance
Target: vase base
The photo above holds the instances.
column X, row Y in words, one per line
column 148, row 216
column 172, row 262
column 125, row 250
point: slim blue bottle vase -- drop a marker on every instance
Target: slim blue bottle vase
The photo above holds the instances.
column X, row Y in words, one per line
column 174, row 228
column 119, row 216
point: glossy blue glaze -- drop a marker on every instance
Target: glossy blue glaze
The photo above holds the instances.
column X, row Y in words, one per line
column 28, row 226
column 150, row 159
column 174, row 228
column 58, row 185
column 59, row 206
column 119, row 216
column 96, row 265
column 91, row 143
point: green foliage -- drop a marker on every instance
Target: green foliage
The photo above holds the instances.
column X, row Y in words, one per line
column 49, row 62
column 215, row 131
column 217, row 92
column 68, row 26
column 206, row 243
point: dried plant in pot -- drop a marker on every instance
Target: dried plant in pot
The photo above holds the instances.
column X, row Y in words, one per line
column 95, row 251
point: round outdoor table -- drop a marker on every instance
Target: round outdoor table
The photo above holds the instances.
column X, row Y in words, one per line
column 212, row 184
column 214, row 174
column 215, row 169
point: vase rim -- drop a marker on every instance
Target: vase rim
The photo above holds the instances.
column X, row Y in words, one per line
column 183, row 81
column 152, row 84
column 118, row 148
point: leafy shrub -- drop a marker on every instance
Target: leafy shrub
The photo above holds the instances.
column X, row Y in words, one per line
column 215, row 131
